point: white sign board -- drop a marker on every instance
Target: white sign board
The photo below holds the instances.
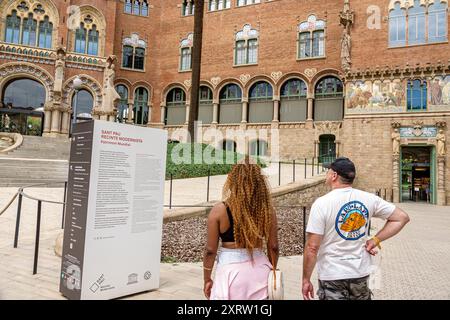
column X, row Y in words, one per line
column 113, row 227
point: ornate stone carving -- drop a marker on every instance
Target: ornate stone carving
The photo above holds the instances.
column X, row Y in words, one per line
column 396, row 125
column 346, row 19
column 310, row 72
column 327, row 127
column 88, row 82
column 396, row 142
column 440, row 143
column 17, row 68
column 245, row 78
column 215, row 81
column 59, row 70
column 188, row 83
column 276, row 76
column 110, row 95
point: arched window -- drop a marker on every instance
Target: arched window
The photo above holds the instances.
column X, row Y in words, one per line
column 122, row 106
column 12, row 34
column 425, row 24
column 188, row 8
column 241, row 3
column 260, row 103
column 136, row 7
column 246, row 47
column 293, row 104
column 229, row 145
column 329, row 101
column 84, row 104
column 258, row 148
column 311, row 38
column 25, row 94
column 327, row 148
column 397, row 26
column 144, row 8
column 35, row 28
column 416, row 24
column 29, row 31
column 176, row 107
column 93, row 42
column 87, row 37
column 219, row 5
column 186, row 53
column 133, row 56
column 437, row 21
column 45, row 33
column 140, row 109
column 205, row 109
column 128, row 6
column 80, row 39
column 230, row 110
column 417, row 95
column 24, row 101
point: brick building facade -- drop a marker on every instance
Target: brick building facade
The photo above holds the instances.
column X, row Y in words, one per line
column 365, row 79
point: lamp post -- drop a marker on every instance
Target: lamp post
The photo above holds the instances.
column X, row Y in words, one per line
column 77, row 84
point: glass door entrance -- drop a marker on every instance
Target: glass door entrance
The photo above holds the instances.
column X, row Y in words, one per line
column 417, row 175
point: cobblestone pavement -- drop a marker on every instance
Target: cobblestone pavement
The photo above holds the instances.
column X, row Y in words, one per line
column 414, row 265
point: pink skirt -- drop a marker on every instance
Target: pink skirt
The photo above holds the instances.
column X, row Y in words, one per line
column 237, row 278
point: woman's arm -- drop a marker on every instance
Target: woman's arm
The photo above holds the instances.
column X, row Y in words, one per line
column 272, row 244
column 212, row 244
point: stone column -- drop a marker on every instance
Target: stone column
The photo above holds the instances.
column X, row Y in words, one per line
column 65, row 121
column 309, row 119
column 441, row 199
column 56, row 121
column 47, row 121
column 130, row 111
column 395, row 178
column 163, row 113
column 188, row 110
column 244, row 111
column 276, row 109
column 215, row 113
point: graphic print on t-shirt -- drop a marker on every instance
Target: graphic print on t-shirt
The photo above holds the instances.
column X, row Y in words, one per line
column 352, row 220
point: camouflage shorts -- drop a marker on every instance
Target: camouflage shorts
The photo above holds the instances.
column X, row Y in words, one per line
column 351, row 289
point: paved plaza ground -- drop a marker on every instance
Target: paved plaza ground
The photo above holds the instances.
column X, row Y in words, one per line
column 414, row 265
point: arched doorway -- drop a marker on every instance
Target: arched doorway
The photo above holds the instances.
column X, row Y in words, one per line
column 327, row 148
column 23, row 107
column 84, row 104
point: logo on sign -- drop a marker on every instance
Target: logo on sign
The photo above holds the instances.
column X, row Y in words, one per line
column 352, row 220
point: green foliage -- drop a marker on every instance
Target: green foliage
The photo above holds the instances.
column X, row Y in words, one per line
column 182, row 158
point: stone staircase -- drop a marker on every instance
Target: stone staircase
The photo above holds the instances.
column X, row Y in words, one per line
column 38, row 160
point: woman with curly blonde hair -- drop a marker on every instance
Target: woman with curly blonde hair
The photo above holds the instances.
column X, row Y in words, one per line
column 244, row 223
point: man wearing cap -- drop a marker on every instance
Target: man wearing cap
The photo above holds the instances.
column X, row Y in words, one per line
column 338, row 236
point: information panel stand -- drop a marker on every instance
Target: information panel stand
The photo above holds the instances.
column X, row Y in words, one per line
column 113, row 227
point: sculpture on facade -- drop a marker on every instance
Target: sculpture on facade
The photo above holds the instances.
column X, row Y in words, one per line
column 396, row 142
column 346, row 43
column 440, row 140
column 346, row 19
column 59, row 70
column 110, row 95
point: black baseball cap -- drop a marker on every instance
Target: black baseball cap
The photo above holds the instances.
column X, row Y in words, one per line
column 343, row 167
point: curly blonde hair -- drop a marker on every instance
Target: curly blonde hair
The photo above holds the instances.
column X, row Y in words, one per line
column 247, row 193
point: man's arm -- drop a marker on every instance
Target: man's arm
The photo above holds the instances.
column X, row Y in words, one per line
column 309, row 262
column 395, row 223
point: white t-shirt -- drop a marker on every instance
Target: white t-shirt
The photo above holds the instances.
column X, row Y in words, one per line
column 342, row 217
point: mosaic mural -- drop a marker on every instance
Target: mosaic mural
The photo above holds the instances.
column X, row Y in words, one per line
column 439, row 94
column 375, row 97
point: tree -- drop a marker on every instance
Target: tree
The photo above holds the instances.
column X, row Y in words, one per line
column 196, row 65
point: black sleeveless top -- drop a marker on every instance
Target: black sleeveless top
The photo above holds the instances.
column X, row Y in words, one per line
column 228, row 236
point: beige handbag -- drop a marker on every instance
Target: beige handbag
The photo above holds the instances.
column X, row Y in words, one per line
column 276, row 284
